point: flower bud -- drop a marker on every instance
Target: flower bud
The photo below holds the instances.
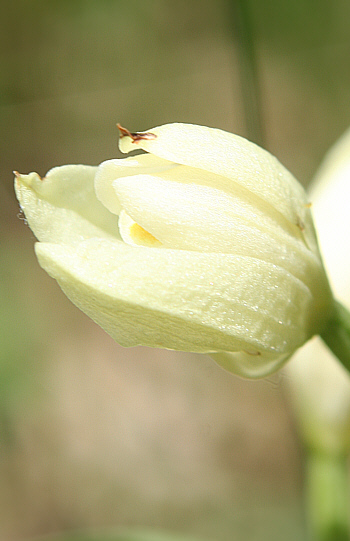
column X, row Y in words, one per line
column 204, row 244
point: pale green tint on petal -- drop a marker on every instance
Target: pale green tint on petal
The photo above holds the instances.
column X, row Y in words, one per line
column 201, row 218
column 248, row 364
column 182, row 300
column 62, row 207
column 113, row 169
column 233, row 157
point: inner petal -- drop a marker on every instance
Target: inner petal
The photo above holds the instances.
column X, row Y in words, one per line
column 134, row 234
column 201, row 218
column 114, row 169
column 195, row 217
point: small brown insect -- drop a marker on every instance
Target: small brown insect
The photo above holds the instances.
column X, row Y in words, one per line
column 137, row 136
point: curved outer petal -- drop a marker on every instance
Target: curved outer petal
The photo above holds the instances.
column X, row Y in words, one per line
column 182, row 300
column 318, row 384
column 62, row 207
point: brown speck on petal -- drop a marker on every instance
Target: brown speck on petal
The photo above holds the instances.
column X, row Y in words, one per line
column 300, row 224
column 137, row 136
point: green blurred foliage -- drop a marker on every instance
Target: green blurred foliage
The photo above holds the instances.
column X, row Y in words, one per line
column 16, row 338
column 120, row 535
column 313, row 38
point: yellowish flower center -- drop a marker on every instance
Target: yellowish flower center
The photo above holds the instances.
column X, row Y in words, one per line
column 140, row 236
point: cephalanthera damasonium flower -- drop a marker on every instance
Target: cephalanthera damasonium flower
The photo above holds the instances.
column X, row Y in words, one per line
column 319, row 385
column 204, row 244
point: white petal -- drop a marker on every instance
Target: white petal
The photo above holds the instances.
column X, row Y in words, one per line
column 183, row 300
column 113, row 169
column 330, row 193
column 62, row 207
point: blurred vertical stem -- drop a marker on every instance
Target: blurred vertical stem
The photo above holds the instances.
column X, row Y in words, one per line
column 337, row 334
column 327, row 497
column 243, row 35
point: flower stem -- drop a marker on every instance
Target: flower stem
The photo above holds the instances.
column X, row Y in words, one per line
column 327, row 497
column 337, row 334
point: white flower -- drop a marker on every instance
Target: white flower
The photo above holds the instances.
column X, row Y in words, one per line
column 205, row 244
column 318, row 383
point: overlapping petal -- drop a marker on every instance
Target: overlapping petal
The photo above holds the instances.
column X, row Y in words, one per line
column 236, row 160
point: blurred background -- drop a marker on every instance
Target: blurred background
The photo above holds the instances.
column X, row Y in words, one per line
column 93, row 435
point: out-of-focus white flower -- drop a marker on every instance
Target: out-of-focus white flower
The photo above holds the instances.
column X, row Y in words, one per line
column 318, row 383
column 205, row 244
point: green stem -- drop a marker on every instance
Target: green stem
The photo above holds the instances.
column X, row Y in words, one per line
column 241, row 27
column 327, row 497
column 337, row 334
